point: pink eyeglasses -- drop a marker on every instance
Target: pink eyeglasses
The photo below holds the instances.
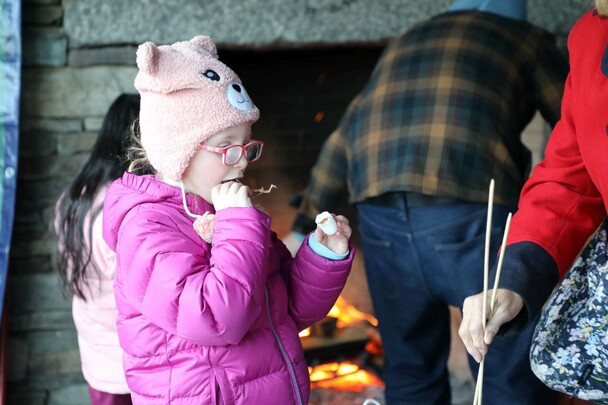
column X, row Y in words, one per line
column 233, row 153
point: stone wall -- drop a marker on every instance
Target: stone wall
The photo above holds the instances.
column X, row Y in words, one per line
column 263, row 23
column 302, row 62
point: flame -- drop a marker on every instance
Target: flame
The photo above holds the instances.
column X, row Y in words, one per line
column 344, row 376
column 346, row 314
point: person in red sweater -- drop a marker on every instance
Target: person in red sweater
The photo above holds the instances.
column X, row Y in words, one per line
column 565, row 199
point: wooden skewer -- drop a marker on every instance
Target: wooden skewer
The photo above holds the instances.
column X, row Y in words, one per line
column 486, row 265
column 479, row 384
column 486, row 254
column 477, row 400
column 500, row 259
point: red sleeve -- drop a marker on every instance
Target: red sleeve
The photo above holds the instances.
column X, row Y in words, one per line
column 560, row 206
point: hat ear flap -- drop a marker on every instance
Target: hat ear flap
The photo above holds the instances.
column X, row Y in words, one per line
column 147, row 57
column 206, row 43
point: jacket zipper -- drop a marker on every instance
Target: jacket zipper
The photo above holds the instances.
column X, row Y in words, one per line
column 282, row 349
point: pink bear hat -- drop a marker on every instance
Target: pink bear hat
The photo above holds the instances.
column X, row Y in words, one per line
column 187, row 95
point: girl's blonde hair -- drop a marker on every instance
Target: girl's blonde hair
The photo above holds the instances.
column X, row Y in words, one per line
column 137, row 154
column 602, row 7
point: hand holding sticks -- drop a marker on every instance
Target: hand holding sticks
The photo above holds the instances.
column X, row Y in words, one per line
column 479, row 385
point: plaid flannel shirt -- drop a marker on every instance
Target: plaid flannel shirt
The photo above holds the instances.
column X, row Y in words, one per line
column 442, row 114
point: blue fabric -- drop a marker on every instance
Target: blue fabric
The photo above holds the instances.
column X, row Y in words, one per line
column 516, row 9
column 418, row 261
column 322, row 250
column 605, row 65
column 10, row 83
column 299, row 236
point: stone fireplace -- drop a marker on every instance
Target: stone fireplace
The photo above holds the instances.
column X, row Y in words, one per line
column 302, row 63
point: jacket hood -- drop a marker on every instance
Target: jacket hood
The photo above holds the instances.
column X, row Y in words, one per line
column 131, row 191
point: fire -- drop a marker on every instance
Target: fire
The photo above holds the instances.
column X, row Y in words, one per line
column 345, row 376
column 346, row 314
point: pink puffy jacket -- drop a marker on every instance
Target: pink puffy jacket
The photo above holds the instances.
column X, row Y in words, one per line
column 211, row 324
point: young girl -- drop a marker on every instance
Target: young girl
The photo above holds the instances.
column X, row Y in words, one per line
column 210, row 301
column 85, row 262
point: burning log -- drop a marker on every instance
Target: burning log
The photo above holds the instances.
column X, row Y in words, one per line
column 346, row 342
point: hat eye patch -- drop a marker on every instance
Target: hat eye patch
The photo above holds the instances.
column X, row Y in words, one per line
column 238, row 97
column 212, row 75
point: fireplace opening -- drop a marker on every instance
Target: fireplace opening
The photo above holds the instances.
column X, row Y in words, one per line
column 302, row 94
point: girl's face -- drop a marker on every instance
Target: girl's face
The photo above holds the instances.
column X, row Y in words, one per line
column 206, row 169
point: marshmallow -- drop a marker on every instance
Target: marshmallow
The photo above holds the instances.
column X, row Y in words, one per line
column 327, row 223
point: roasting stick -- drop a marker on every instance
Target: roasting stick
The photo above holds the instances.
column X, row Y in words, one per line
column 486, row 254
column 486, row 265
column 500, row 259
column 479, row 385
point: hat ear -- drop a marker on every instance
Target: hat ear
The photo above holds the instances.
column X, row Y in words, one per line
column 206, row 43
column 147, row 57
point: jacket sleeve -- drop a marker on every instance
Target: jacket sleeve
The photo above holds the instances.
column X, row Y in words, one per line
column 210, row 297
column 559, row 209
column 313, row 282
column 559, row 205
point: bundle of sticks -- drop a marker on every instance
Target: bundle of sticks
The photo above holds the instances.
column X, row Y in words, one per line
column 479, row 385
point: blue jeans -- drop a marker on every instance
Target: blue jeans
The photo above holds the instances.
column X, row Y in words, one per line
column 418, row 261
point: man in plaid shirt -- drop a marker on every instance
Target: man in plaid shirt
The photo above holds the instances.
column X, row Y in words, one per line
column 441, row 115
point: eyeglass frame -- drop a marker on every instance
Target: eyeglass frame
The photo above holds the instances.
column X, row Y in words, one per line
column 224, row 150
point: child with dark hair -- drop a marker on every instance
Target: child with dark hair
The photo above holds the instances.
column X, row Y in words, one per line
column 86, row 264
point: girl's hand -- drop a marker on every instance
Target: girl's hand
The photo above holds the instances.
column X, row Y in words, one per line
column 338, row 242
column 231, row 194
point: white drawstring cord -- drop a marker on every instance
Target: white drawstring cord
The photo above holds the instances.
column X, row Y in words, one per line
column 181, row 185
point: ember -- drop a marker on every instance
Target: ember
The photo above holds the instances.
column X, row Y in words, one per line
column 343, row 376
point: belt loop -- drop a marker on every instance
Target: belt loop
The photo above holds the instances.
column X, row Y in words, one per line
column 405, row 209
